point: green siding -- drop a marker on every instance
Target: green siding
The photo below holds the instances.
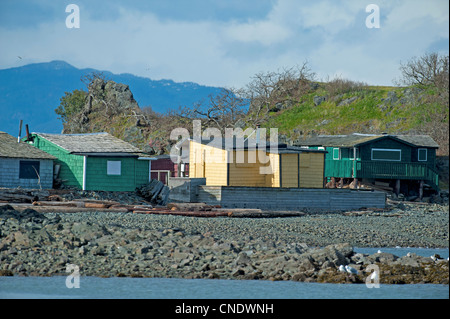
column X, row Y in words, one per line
column 71, row 172
column 142, row 172
column 366, row 150
column 97, row 178
column 134, row 172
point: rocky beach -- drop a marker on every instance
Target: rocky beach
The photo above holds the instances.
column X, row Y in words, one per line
column 306, row 248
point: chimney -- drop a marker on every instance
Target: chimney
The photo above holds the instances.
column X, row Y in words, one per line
column 27, row 131
column 20, row 131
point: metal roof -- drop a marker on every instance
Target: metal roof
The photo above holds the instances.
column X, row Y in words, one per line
column 9, row 148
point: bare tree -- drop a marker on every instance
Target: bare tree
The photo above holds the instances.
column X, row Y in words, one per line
column 221, row 111
column 283, row 88
column 429, row 69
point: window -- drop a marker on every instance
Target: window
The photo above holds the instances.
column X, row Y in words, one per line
column 381, row 154
column 422, row 155
column 336, row 154
column 29, row 169
column 113, row 168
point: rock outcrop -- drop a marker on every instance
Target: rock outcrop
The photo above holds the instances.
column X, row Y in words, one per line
column 42, row 245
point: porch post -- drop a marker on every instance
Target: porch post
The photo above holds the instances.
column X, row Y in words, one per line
column 397, row 187
column 421, row 189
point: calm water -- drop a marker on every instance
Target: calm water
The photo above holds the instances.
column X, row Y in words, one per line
column 164, row 288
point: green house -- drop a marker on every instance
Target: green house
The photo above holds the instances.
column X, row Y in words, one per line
column 97, row 161
column 378, row 157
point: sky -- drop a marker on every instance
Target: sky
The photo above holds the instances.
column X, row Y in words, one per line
column 226, row 42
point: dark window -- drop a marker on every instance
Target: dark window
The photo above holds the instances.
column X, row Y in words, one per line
column 379, row 154
column 422, row 154
column 29, row 169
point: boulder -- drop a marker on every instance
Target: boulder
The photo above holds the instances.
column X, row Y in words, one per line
column 319, row 100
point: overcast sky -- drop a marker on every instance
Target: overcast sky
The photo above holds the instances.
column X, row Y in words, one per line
column 225, row 42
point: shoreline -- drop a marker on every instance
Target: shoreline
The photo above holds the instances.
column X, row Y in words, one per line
column 305, row 248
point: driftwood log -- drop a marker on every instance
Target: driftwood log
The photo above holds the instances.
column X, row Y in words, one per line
column 19, row 195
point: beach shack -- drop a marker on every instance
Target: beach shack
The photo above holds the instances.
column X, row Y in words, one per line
column 96, row 161
column 22, row 165
column 227, row 162
column 392, row 158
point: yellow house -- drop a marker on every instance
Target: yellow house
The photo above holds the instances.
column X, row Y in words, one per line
column 253, row 165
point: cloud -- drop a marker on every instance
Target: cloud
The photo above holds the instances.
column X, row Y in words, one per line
column 219, row 44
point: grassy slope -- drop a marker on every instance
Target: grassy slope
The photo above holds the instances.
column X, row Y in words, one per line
column 367, row 114
column 371, row 112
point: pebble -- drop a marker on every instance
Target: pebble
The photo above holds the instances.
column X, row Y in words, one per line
column 307, row 248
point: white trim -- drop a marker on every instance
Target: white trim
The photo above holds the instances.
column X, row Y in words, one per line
column 386, row 150
column 84, row 172
column 149, row 171
column 426, row 155
column 339, row 153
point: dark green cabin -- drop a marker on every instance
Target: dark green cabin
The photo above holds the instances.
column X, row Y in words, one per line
column 382, row 157
column 97, row 161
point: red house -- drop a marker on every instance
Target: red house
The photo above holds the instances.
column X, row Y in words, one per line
column 163, row 168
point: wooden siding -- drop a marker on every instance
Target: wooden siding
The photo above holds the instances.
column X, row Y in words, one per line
column 208, row 162
column 246, row 174
column 97, row 178
column 71, row 172
column 311, row 170
column 134, row 172
column 366, row 149
column 142, row 172
column 289, row 170
column 273, row 180
column 10, row 174
column 211, row 163
column 304, row 170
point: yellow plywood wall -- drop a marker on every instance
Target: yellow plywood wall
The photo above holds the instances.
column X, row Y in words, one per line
column 245, row 169
column 273, row 180
column 289, row 170
column 311, row 170
column 209, row 162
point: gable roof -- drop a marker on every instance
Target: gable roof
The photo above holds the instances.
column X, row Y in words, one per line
column 11, row 149
column 92, row 144
column 355, row 139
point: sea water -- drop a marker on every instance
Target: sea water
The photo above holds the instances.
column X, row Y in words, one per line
column 171, row 288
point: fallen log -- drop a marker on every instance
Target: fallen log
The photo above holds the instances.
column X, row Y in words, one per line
column 17, row 198
column 182, row 213
column 257, row 213
column 106, row 203
column 190, row 206
column 68, row 209
column 79, row 203
column 23, row 195
column 51, row 203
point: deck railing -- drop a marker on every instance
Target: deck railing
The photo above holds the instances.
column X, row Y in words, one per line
column 382, row 170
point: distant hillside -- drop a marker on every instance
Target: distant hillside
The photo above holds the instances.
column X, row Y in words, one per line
column 32, row 92
column 364, row 109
